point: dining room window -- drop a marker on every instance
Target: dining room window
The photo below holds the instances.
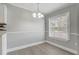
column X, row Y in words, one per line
column 59, row 26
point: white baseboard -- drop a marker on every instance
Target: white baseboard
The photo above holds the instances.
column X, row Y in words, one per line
column 24, row 46
column 62, row 47
column 36, row 43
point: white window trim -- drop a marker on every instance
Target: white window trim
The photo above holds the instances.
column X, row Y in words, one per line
column 67, row 30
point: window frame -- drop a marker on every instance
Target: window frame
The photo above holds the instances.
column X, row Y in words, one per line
column 67, row 26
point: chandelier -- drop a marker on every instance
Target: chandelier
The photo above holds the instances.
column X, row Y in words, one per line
column 37, row 14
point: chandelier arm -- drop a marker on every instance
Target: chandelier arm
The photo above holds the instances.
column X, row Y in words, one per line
column 38, row 14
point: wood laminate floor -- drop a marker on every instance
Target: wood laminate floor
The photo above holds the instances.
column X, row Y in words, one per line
column 41, row 49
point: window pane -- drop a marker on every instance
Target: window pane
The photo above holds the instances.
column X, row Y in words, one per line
column 58, row 26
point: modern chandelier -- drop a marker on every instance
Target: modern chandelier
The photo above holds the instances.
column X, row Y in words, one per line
column 38, row 13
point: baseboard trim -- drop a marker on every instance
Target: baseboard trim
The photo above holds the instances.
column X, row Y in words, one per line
column 25, row 46
column 62, row 47
column 37, row 43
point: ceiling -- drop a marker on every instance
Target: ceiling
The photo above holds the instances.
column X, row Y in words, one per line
column 43, row 7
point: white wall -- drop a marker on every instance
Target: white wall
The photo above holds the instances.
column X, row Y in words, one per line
column 0, row 45
column 1, row 13
column 22, row 28
column 1, row 20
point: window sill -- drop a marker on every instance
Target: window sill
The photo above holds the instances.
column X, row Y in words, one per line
column 60, row 39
